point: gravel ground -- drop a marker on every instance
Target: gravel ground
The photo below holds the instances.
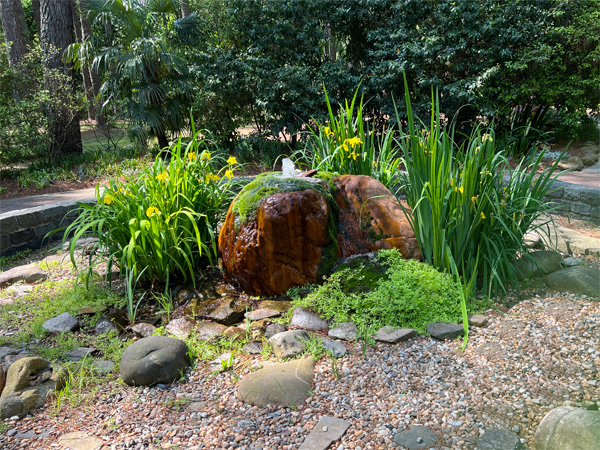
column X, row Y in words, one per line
column 542, row 353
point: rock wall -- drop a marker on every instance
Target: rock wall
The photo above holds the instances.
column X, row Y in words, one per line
column 577, row 201
column 26, row 229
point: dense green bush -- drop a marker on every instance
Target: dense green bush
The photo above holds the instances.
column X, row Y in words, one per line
column 385, row 290
column 468, row 205
column 160, row 224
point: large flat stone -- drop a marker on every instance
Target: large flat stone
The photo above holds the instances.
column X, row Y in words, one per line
column 445, row 331
column 64, row 322
column 416, row 438
column 328, row 430
column 578, row 280
column 337, row 349
column 80, row 441
column 392, row 335
column 307, row 319
column 345, row 331
column 30, row 273
column 569, row 428
column 283, row 384
column 500, row 440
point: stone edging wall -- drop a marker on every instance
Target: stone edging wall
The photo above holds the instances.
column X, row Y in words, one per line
column 26, row 229
column 577, row 201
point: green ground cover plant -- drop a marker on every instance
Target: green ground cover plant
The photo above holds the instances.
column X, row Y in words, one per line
column 468, row 205
column 346, row 145
column 161, row 224
column 385, row 290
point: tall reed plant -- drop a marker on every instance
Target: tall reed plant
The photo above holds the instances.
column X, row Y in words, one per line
column 161, row 223
column 468, row 205
column 346, row 145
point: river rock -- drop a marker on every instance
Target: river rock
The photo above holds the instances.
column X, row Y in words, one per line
column 282, row 306
column 206, row 331
column 283, row 384
column 540, row 263
column 28, row 382
column 499, row 440
column 62, row 323
column 445, row 331
column 143, row 329
column 569, row 428
column 572, row 261
column 307, row 319
column 572, row 163
column 79, row 353
column 477, row 320
column 416, row 438
column 289, row 343
column 273, row 329
column 229, row 311
column 180, row 327
column 105, row 325
column 262, row 313
column 30, row 273
column 328, row 430
column 393, row 335
column 578, row 280
column 155, row 359
column 345, row 331
column 282, row 232
column 337, row 349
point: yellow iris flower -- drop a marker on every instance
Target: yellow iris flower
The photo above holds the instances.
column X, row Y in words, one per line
column 162, row 176
column 191, row 156
column 152, row 210
column 205, row 156
column 232, row 160
column 108, row 199
column 482, row 216
column 228, row 173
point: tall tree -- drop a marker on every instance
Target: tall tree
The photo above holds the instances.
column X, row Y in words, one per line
column 56, row 35
column 85, row 72
column 35, row 7
column 14, row 28
column 185, row 8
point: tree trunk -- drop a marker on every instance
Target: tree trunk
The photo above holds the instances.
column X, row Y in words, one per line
column 86, row 33
column 162, row 141
column 85, row 73
column 35, row 6
column 185, row 8
column 14, row 28
column 57, row 31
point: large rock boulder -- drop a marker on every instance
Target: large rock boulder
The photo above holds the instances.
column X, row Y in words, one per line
column 568, row 428
column 540, row 263
column 578, row 280
column 155, row 359
column 283, row 232
column 284, row 384
column 28, row 382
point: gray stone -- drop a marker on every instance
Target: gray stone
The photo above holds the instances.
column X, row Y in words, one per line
column 572, row 163
column 105, row 325
column 79, row 353
column 222, row 362
column 393, row 335
column 143, row 329
column 283, row 384
column 206, row 331
column 572, row 261
column 578, row 280
column 262, row 313
column 328, row 430
column 253, row 348
column 80, row 441
column 180, row 328
column 63, row 322
column 445, row 331
column 155, row 359
column 477, row 320
column 11, row 359
column 416, row 438
column 345, row 331
column 103, row 366
column 289, row 343
column 273, row 329
column 2, row 379
column 569, row 428
column 5, row 351
column 307, row 319
column 30, row 273
column 28, row 382
column 499, row 440
column 229, row 311
column 589, row 159
column 337, row 349
column 540, row 263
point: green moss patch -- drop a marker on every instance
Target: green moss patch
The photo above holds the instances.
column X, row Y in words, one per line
column 265, row 185
column 385, row 289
